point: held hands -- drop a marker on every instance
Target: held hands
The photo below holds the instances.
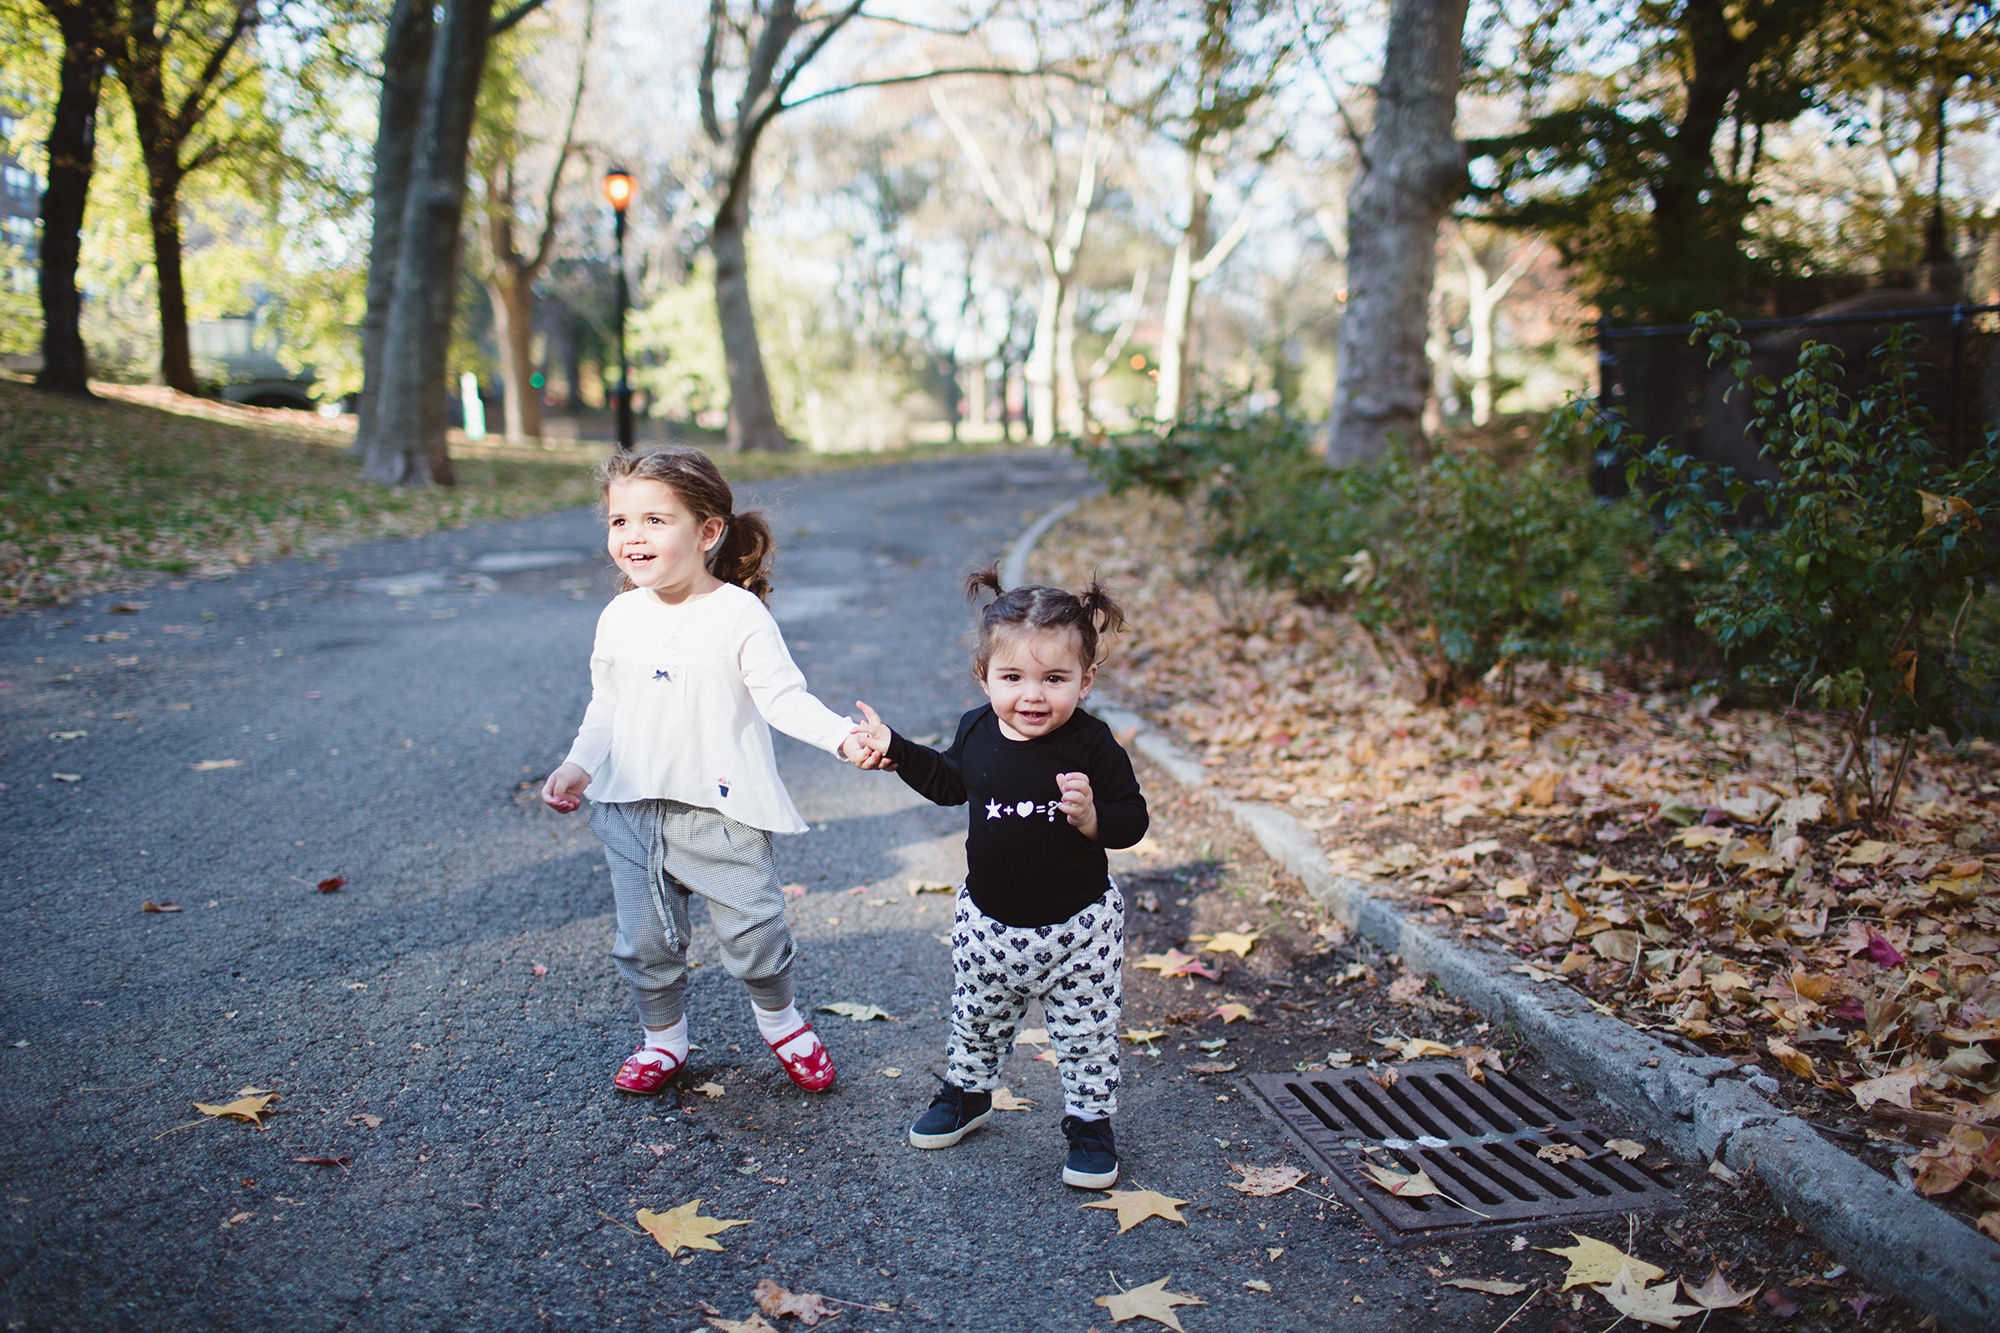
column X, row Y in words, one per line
column 564, row 789
column 1078, row 802
column 868, row 746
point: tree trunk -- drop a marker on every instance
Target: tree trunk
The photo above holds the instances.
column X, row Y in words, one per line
column 1040, row 372
column 514, row 332
column 72, row 148
column 1171, row 399
column 1413, row 169
column 163, row 191
column 409, row 448
column 753, row 422
column 1069, row 388
column 406, row 54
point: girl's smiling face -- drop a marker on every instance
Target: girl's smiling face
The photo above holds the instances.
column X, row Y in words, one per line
column 656, row 539
column 1035, row 681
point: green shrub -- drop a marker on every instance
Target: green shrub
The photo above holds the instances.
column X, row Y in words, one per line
column 1854, row 588
column 1453, row 566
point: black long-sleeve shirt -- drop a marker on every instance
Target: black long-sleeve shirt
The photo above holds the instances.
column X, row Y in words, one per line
column 1027, row 865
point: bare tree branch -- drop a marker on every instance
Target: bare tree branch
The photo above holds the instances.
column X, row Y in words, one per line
column 718, row 13
column 514, row 16
column 551, row 209
column 1001, row 71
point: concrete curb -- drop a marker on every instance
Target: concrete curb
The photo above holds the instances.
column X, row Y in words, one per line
column 1893, row 1238
column 1014, row 569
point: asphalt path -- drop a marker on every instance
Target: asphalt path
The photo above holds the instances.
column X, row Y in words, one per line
column 444, row 1026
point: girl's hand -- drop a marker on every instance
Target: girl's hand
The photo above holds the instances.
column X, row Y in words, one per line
column 1078, row 803
column 564, row 789
column 870, row 743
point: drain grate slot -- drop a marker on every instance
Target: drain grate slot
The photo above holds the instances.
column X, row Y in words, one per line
column 1478, row 1141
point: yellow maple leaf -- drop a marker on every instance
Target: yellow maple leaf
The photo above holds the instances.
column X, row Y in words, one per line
column 681, row 1228
column 1232, row 1013
column 1152, row 1301
column 1940, row 509
column 1141, row 1036
column 1594, row 1263
column 1229, row 941
column 1630, row 1296
column 249, row 1105
column 1135, row 1206
column 1421, row 1048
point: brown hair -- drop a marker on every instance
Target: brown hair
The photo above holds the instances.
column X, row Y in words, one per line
column 1089, row 615
column 743, row 556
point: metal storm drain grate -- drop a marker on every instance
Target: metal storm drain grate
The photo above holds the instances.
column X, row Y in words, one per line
column 1478, row 1142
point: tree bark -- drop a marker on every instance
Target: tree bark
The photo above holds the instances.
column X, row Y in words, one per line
column 406, row 55
column 163, row 212
column 514, row 331
column 753, row 421
column 72, row 149
column 409, row 448
column 1171, row 399
column 1413, row 168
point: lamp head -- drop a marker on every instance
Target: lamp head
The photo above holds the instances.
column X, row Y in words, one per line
column 618, row 188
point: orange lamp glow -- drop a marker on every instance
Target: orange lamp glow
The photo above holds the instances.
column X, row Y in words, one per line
column 618, row 188
column 1138, row 361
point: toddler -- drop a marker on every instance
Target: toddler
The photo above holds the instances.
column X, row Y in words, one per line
column 688, row 675
column 1038, row 917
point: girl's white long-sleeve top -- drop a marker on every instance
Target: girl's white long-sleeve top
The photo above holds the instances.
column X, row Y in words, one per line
column 682, row 702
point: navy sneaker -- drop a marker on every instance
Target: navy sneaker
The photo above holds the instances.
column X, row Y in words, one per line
column 1093, row 1159
column 953, row 1114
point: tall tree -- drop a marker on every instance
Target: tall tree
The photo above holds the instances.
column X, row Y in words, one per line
column 511, row 272
column 1412, row 169
column 88, row 28
column 176, row 72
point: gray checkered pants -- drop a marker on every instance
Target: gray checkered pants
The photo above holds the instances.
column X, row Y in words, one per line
column 659, row 852
column 1075, row 968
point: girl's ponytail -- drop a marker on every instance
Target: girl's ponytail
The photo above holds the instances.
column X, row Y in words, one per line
column 1104, row 613
column 743, row 556
column 983, row 580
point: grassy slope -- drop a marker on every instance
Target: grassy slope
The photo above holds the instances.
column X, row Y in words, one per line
column 122, row 491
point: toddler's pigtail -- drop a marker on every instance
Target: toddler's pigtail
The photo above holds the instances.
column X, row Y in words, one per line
column 1105, row 615
column 743, row 556
column 987, row 578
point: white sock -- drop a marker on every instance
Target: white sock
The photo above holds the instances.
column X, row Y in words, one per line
column 1084, row 1113
column 773, row 1024
column 673, row 1040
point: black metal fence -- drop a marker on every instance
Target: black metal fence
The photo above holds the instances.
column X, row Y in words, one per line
column 1664, row 386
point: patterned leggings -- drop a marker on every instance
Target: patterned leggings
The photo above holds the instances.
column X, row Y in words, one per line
column 1074, row 968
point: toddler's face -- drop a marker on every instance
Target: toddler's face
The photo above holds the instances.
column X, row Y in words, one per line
column 655, row 539
column 1035, row 682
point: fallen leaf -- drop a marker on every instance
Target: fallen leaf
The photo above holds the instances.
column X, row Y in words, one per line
column 1558, row 1153
column 1626, row 1148
column 1174, row 963
column 331, row 885
column 1258, row 1284
column 207, row 764
column 1793, row 1059
column 1868, row 852
column 1401, row 1185
column 1135, row 1206
column 67, row 777
column 756, row 1323
column 709, row 1089
column 1630, row 1296
column 250, row 1105
column 1990, row 1223
column 1213, row 1067
column 918, row 886
column 371, row 1121
column 1264, row 1181
column 1895, row 1088
column 1490, row 1286
column 1717, row 1294
column 1003, row 1100
column 808, row 1307
column 150, row 906
column 892, row 1072
column 1140, row 1036
column 1232, row 1013
column 683, row 1228
column 322, row 1161
column 1229, row 941
column 793, row 890
column 1592, row 1262
column 1152, row 1301
column 860, row 1013
column 1421, row 1048
column 1781, row 1304
column 540, row 970
column 1032, row 1037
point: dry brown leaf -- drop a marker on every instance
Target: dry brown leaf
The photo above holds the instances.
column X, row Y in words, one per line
column 1232, row 1013
column 710, row 1089
column 1626, row 1148
column 1896, row 1088
column 1265, row 1181
column 756, row 1323
column 1797, row 1061
column 1717, row 1294
column 1152, row 1301
column 1593, row 1263
column 1558, row 1153
column 1135, row 1206
column 683, row 1228
column 1141, row 1036
column 1174, row 963
column 1005, row 1100
column 250, row 1105
column 1491, row 1286
column 808, row 1307
column 1630, row 1296
column 1212, row 1067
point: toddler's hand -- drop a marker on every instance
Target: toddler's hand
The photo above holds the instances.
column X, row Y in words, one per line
column 1078, row 803
column 564, row 789
column 870, row 743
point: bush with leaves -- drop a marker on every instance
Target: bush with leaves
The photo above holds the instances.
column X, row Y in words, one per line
column 1453, row 565
column 1854, row 588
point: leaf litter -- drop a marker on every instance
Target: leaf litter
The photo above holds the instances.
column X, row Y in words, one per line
column 1685, row 866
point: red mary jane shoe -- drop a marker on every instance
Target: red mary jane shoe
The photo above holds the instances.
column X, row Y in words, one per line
column 646, row 1071
column 812, row 1070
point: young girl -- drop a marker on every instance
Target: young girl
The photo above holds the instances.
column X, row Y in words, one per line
column 1038, row 916
column 675, row 752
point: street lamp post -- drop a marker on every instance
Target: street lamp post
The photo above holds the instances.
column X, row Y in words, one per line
column 618, row 189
